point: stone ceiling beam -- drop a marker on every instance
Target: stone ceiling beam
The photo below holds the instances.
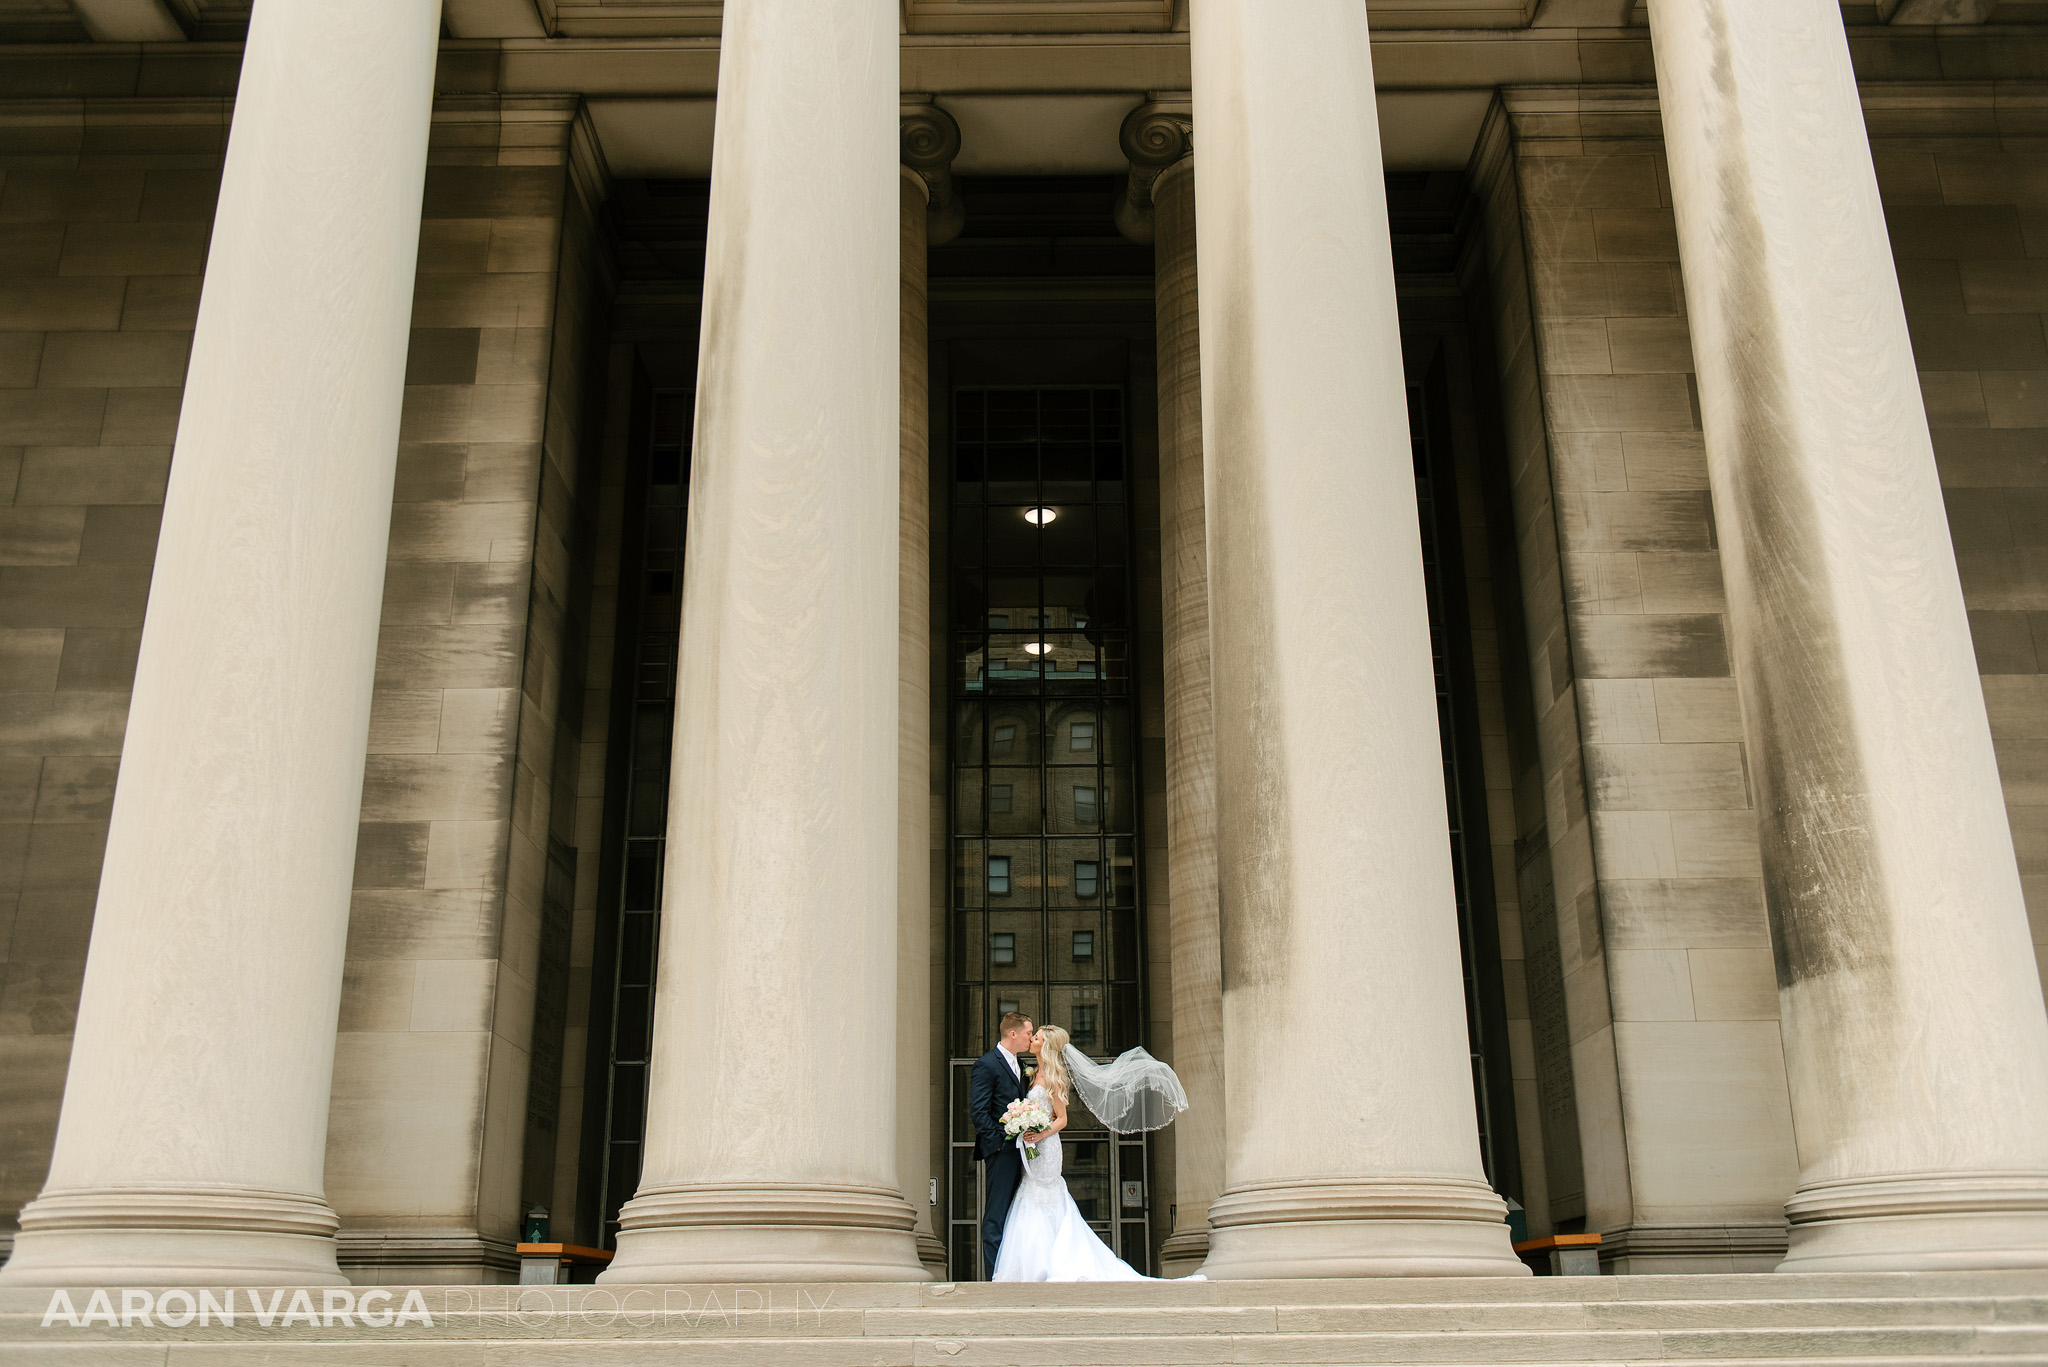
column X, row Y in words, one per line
column 130, row 21
column 1935, row 11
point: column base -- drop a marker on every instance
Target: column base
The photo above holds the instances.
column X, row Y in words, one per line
column 1919, row 1222
column 1430, row 1227
column 1182, row 1255
column 767, row 1232
column 124, row 1236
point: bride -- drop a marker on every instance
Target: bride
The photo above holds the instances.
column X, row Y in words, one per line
column 1045, row 1238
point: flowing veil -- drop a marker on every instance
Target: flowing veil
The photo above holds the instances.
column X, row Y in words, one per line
column 1132, row 1092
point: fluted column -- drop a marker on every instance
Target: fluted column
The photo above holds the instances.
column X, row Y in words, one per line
column 1352, row 1142
column 771, row 1129
column 1915, row 1039
column 929, row 212
column 194, row 1126
column 1159, row 207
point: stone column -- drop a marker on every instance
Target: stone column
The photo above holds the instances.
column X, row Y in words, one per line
column 193, row 1133
column 930, row 212
column 1159, row 207
column 1352, row 1142
column 1915, row 1040
column 771, row 1130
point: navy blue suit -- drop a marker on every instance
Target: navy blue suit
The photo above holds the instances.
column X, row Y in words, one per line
column 991, row 1087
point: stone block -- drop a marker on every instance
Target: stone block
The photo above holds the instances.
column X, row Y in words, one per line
column 21, row 356
column 174, row 194
column 19, row 777
column 1990, row 458
column 77, row 788
column 472, row 413
column 391, row 854
column 466, row 854
column 161, row 303
column 2016, row 398
column 1613, row 181
column 1669, row 778
column 457, row 531
column 62, row 723
column 1631, row 521
column 442, row 356
column 418, row 593
column 1977, row 341
column 71, row 196
column 453, row 994
column 402, row 1131
column 1690, row 645
column 1649, row 985
column 376, row 994
column 2017, row 705
column 1733, row 984
column 493, row 192
column 1681, row 581
column 121, row 534
column 1641, row 234
column 1665, row 460
column 34, row 417
column 1617, row 711
column 141, row 417
column 430, row 472
column 1575, row 346
column 525, row 245
column 28, row 659
column 1602, row 584
column 513, row 356
column 1953, row 398
column 460, row 787
column 1716, row 844
column 40, row 996
column 1560, row 234
column 1620, row 403
column 1930, row 287
column 1952, row 231
column 404, row 722
column 1992, row 178
column 1634, row 844
column 502, row 300
column 481, row 655
column 104, row 475
column 1710, row 1117
column 64, row 856
column 114, row 360
column 494, row 593
column 1649, row 346
column 2004, row 285
column 454, row 246
column 41, row 536
column 502, row 472
column 100, row 660
column 411, row 923
column 169, row 249
column 73, row 595
column 478, row 720
column 30, row 248
column 1706, row 913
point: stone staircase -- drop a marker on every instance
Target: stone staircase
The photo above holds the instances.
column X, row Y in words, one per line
column 1982, row 1318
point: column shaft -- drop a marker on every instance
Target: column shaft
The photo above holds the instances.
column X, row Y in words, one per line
column 1190, row 724
column 771, row 1134
column 192, row 1138
column 915, row 1107
column 1352, row 1144
column 1915, row 1039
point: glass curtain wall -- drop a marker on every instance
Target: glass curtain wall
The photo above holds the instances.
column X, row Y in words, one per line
column 1044, row 817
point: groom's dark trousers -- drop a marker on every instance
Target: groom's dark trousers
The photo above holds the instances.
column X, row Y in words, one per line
column 991, row 1087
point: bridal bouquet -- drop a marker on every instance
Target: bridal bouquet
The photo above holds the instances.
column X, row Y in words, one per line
column 1024, row 1117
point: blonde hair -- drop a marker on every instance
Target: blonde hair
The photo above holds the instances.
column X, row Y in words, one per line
column 1052, row 1063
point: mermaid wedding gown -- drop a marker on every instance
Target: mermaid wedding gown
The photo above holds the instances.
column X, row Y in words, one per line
column 1045, row 1239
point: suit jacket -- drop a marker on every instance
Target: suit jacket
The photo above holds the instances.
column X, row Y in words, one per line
column 990, row 1089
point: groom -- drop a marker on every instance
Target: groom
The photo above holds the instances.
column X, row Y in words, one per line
column 998, row 1080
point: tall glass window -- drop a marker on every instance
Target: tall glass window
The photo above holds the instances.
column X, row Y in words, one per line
column 1044, row 821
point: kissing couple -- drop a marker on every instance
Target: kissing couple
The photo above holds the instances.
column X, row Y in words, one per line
column 1031, row 1230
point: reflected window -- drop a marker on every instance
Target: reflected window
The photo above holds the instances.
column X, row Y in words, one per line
column 999, row 799
column 1084, row 946
column 999, row 619
column 1002, row 740
column 1082, row 1031
column 1087, row 883
column 1081, row 736
column 1004, row 1006
column 1084, row 806
column 999, row 875
column 1002, row 950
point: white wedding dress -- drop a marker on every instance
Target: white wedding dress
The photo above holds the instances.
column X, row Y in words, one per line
column 1045, row 1238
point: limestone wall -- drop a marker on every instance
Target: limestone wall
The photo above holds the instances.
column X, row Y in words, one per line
column 1661, row 939
column 458, row 978
column 105, row 212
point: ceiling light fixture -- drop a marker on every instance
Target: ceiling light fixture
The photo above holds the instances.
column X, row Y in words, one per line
column 1036, row 647
column 1040, row 516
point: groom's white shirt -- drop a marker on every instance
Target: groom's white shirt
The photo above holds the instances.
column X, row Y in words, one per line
column 1011, row 1059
